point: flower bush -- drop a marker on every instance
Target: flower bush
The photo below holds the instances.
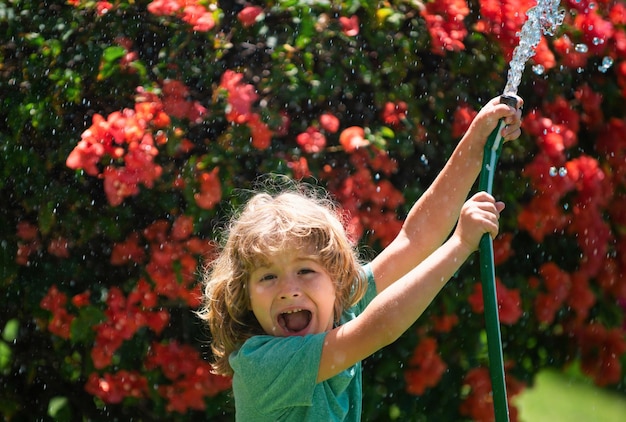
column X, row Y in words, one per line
column 131, row 128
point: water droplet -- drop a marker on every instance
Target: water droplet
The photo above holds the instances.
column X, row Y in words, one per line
column 581, row 48
column 562, row 172
column 597, row 41
column 539, row 69
column 553, row 171
column 607, row 62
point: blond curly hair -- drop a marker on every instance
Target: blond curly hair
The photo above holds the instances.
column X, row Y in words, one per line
column 268, row 224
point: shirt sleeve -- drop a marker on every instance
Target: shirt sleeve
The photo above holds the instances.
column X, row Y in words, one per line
column 273, row 373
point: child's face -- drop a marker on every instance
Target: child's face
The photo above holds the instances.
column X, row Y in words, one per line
column 292, row 295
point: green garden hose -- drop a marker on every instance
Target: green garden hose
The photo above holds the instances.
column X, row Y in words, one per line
column 493, row 148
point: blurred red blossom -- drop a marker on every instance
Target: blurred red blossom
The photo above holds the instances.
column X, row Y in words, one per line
column 350, row 25
column 478, row 404
column 569, row 56
column 353, row 138
column 55, row 301
column 240, row 98
column 463, row 116
column 28, row 243
column 248, row 15
column 509, row 302
column 394, row 114
column 594, row 28
column 124, row 316
column 192, row 378
column 260, row 132
column 191, row 11
column 176, row 103
column 445, row 23
column 311, row 141
column 556, row 287
column 299, row 168
column 115, row 387
column 445, row 323
column 329, row 122
column 59, row 247
column 210, row 189
column 425, row 367
column 502, row 249
column 601, row 349
column 503, row 20
column 128, row 250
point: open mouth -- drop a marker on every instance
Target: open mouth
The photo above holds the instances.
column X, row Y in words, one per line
column 295, row 321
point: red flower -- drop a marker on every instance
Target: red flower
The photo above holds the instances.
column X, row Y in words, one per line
column 502, row 249
column 61, row 321
column 393, row 114
column 241, row 96
column 601, row 351
column 210, row 189
column 445, row 323
column 113, row 388
column 59, row 247
column 425, row 367
column 353, row 138
column 502, row 20
column 191, row 377
column 557, row 284
column 591, row 103
column 127, row 251
column 444, row 20
column 509, row 302
column 124, row 317
column 27, row 231
column 248, row 15
column 102, row 7
column 569, row 56
column 259, row 131
column 300, row 168
column 479, row 403
column 311, row 141
column 463, row 116
column 177, row 104
column 581, row 298
column 164, row 7
column 82, row 299
column 543, row 55
column 198, row 17
column 329, row 123
column 350, row 26
column 594, row 27
column 182, row 227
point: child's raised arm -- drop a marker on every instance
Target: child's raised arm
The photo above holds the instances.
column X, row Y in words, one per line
column 395, row 309
column 433, row 216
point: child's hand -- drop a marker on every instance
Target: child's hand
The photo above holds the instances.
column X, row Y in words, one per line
column 479, row 215
column 487, row 119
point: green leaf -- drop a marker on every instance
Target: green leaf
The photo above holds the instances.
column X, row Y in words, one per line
column 6, row 355
column 58, row 409
column 113, row 53
column 11, row 330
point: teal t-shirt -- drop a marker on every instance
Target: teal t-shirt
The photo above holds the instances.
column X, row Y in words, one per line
column 275, row 377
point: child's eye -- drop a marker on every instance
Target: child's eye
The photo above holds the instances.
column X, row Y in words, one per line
column 304, row 271
column 268, row 277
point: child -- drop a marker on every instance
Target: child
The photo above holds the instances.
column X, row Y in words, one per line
column 292, row 312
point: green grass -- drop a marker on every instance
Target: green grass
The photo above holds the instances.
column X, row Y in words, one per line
column 568, row 397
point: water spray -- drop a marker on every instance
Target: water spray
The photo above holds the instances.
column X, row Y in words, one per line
column 544, row 18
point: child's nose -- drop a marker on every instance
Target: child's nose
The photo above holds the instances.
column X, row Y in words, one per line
column 289, row 289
